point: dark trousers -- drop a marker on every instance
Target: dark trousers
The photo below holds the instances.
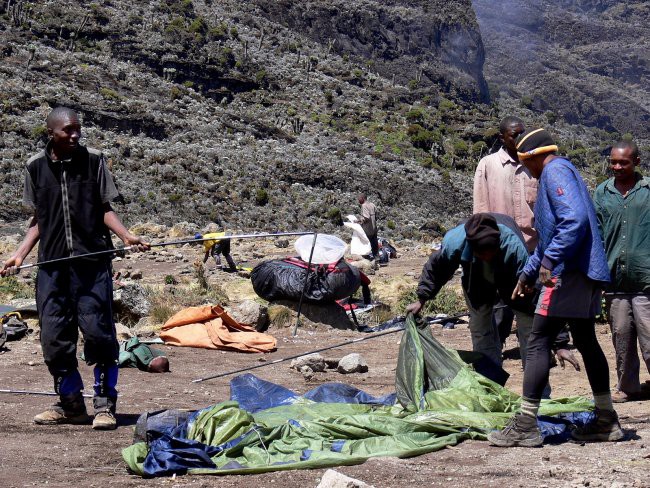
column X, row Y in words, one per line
column 223, row 248
column 538, row 359
column 503, row 316
column 374, row 245
column 71, row 297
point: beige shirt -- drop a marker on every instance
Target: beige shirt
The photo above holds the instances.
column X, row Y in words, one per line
column 506, row 187
column 367, row 219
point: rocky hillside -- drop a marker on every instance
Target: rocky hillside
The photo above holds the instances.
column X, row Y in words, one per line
column 264, row 115
column 260, row 115
column 586, row 61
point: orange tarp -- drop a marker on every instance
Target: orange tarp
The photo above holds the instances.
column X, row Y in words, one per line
column 210, row 327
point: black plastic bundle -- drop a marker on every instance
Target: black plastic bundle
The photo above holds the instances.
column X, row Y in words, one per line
column 284, row 279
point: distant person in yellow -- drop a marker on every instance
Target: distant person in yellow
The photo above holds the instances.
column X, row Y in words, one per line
column 215, row 247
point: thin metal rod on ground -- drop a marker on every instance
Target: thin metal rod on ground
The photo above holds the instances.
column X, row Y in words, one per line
column 163, row 244
column 342, row 344
column 30, row 392
column 304, row 288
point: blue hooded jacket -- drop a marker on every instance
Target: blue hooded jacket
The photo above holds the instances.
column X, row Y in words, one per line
column 567, row 226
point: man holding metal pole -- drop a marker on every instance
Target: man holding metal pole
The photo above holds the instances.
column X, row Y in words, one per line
column 69, row 188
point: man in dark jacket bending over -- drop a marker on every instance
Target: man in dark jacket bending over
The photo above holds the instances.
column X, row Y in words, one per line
column 492, row 253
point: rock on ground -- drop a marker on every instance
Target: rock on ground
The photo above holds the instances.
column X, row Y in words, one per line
column 131, row 302
column 334, row 479
column 123, row 332
column 252, row 313
column 352, row 363
column 315, row 362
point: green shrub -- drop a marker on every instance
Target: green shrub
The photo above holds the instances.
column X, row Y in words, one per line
column 219, row 31
column 261, row 197
column 423, row 138
column 109, row 94
column 334, row 214
column 175, row 197
column 416, row 115
column 199, row 27
column 39, row 132
column 260, row 76
column 170, row 280
column 11, row 287
column 446, row 105
column 460, row 147
column 551, row 117
column 176, row 26
column 526, row 102
column 391, row 224
column 175, row 93
column 447, row 301
column 479, row 147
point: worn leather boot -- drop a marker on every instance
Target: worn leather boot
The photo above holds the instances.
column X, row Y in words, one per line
column 70, row 409
column 521, row 431
column 104, row 421
column 603, row 427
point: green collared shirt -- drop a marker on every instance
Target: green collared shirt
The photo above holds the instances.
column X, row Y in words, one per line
column 624, row 223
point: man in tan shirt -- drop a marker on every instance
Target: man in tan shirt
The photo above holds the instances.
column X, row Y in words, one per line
column 368, row 221
column 503, row 185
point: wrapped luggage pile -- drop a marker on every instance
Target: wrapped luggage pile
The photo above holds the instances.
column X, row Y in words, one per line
column 284, row 279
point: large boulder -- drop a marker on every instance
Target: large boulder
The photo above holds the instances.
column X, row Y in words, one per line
column 252, row 313
column 130, row 302
column 314, row 315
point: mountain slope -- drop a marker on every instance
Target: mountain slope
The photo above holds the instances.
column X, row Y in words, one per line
column 586, row 61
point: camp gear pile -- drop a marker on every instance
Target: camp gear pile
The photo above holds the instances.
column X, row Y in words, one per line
column 284, row 279
column 265, row 427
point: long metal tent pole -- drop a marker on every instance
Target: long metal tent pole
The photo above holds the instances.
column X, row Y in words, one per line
column 341, row 344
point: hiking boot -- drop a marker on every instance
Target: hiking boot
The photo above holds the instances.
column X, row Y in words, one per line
column 57, row 415
column 521, row 431
column 104, row 421
column 603, row 427
column 622, row 397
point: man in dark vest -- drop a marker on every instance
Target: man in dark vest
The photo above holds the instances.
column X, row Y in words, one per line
column 69, row 187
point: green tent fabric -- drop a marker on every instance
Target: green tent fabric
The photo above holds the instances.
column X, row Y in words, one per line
column 442, row 401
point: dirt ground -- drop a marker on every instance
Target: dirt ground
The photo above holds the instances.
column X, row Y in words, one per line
column 32, row 455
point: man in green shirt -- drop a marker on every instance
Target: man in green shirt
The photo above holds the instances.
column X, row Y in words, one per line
column 623, row 209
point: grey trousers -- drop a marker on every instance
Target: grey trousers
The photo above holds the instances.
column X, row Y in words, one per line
column 485, row 332
column 629, row 317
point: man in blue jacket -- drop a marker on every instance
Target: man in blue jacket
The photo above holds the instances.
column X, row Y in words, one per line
column 570, row 263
